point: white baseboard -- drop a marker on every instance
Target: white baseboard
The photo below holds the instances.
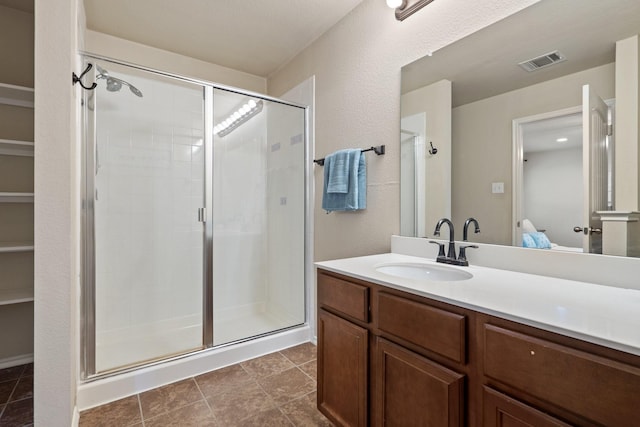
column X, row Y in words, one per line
column 75, row 421
column 21, row 359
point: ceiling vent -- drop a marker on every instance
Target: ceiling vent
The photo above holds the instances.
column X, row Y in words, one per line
column 543, row 61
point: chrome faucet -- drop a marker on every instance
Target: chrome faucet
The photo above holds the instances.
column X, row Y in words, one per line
column 466, row 226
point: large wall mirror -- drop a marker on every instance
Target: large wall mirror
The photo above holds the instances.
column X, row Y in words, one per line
column 495, row 127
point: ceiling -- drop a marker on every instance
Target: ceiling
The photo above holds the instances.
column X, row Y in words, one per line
column 254, row 36
column 543, row 135
column 485, row 63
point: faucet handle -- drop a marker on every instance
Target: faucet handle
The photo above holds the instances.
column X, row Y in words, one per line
column 463, row 253
column 441, row 250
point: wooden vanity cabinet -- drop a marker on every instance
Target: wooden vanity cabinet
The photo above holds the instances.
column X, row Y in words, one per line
column 413, row 390
column 391, row 358
column 578, row 382
column 376, row 353
column 343, row 350
column 500, row 410
column 342, row 370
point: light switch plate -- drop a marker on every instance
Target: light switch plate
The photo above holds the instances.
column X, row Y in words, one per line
column 497, row 187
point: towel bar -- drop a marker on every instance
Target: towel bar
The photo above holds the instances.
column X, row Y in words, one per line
column 379, row 150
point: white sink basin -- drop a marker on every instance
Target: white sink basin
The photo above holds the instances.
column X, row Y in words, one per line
column 419, row 271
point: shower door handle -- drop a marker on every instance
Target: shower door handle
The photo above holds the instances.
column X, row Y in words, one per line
column 202, row 214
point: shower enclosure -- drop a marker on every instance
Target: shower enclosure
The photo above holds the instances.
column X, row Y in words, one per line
column 194, row 209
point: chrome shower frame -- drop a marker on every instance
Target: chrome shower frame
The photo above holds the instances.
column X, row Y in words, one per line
column 88, row 169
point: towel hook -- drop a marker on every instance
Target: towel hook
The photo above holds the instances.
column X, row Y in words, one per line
column 433, row 150
column 77, row 79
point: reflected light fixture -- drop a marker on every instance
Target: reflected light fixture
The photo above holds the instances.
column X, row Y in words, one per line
column 406, row 8
column 562, row 139
column 238, row 117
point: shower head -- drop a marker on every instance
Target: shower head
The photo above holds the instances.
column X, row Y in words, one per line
column 114, row 84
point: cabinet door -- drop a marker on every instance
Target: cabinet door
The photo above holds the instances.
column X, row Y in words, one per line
column 603, row 391
column 500, row 410
column 415, row 391
column 342, row 370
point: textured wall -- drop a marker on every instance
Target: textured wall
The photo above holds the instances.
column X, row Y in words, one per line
column 136, row 53
column 357, row 69
column 57, row 211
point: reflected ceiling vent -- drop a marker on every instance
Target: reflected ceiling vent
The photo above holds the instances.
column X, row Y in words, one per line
column 543, row 61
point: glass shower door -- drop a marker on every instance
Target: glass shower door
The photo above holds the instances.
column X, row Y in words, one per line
column 148, row 181
column 258, row 216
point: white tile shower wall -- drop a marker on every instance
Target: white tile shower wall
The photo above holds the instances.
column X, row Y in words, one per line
column 239, row 205
column 285, row 214
column 150, row 183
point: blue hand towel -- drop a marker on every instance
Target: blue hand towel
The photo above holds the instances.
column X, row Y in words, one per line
column 338, row 168
column 355, row 197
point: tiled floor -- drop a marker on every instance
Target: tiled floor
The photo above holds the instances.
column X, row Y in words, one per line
column 273, row 390
column 16, row 396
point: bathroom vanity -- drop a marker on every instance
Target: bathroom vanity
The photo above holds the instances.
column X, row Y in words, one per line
column 497, row 349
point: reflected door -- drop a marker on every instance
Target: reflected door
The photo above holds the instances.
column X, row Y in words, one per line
column 595, row 120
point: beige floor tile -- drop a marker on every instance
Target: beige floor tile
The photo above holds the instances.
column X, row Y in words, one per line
column 123, row 412
column 169, row 397
column 270, row 418
column 221, row 380
column 6, row 389
column 266, row 391
column 24, row 389
column 240, row 402
column 287, row 385
column 311, row 369
column 303, row 412
column 18, row 413
column 194, row 415
column 300, row 354
column 267, row 365
column 12, row 373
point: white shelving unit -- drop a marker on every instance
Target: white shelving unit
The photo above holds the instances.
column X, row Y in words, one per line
column 12, row 197
column 19, row 96
column 16, row 191
column 18, row 295
column 15, row 296
column 9, row 147
column 9, row 247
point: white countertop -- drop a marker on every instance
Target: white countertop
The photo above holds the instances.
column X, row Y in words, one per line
column 603, row 315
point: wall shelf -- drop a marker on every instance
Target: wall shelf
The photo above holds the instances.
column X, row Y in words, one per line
column 11, row 197
column 10, row 147
column 19, row 96
column 15, row 296
column 8, row 247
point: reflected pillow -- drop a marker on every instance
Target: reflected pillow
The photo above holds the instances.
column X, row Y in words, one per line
column 541, row 240
column 527, row 241
column 528, row 227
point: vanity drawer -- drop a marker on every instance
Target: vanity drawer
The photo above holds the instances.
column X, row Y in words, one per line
column 431, row 328
column 344, row 296
column 599, row 389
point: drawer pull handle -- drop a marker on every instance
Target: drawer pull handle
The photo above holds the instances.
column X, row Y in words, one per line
column 533, row 353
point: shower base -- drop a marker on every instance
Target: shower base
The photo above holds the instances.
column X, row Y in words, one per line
column 103, row 390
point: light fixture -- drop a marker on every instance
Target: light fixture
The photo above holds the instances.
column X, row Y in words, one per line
column 562, row 139
column 406, row 8
column 394, row 4
column 238, row 117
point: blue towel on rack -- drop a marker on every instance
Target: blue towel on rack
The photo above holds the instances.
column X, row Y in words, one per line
column 355, row 197
column 338, row 168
